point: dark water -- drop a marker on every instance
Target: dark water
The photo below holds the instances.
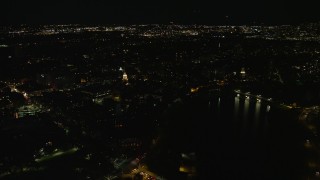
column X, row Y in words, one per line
column 250, row 140
column 237, row 138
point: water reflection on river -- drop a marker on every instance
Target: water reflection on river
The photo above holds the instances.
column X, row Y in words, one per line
column 249, row 116
column 251, row 138
column 235, row 136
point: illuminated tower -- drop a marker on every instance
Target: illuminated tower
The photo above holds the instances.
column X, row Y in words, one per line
column 125, row 77
column 243, row 72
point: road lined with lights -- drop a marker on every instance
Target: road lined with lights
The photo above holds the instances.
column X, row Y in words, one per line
column 259, row 98
column 56, row 154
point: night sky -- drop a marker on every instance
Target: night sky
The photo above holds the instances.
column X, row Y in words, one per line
column 163, row 12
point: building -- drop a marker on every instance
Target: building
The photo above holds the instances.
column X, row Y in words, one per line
column 28, row 110
column 125, row 77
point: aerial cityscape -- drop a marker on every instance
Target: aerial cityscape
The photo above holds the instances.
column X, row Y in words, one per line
column 179, row 100
column 151, row 100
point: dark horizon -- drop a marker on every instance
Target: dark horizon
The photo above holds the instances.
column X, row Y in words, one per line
column 231, row 12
